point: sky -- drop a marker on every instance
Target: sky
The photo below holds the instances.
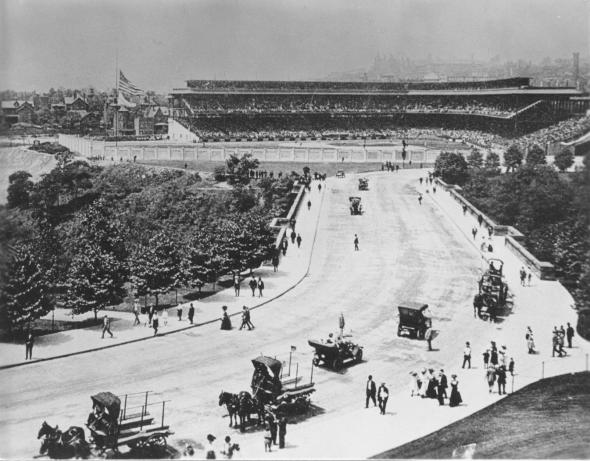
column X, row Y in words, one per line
column 160, row 44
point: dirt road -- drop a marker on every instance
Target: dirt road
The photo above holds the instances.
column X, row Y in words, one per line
column 407, row 251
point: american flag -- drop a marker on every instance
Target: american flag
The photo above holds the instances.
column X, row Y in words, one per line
column 127, row 87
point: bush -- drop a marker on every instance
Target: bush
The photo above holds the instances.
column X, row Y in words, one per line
column 451, row 168
column 219, row 173
column 583, row 327
column 564, row 159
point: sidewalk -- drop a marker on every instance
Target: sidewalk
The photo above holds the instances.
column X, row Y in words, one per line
column 292, row 269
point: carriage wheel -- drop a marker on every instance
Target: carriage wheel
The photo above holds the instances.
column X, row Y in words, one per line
column 359, row 356
column 337, row 364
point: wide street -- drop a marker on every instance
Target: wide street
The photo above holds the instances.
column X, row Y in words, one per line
column 407, row 252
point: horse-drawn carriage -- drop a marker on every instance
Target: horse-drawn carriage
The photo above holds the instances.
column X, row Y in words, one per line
column 355, row 206
column 492, row 290
column 334, row 354
column 271, row 393
column 111, row 427
column 340, row 174
column 363, row 184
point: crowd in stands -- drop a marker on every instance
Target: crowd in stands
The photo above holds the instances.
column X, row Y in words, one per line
column 491, row 106
column 286, row 86
column 567, row 130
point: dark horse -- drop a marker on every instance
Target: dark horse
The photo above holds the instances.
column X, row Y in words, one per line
column 241, row 406
column 61, row 445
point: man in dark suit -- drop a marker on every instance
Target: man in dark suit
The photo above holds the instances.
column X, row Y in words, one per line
column 570, row 335
column 443, row 383
column 371, row 392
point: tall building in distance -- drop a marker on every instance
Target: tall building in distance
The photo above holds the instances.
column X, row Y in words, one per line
column 576, row 68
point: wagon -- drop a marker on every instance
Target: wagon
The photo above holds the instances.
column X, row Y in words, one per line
column 112, row 426
column 340, row 174
column 281, row 396
column 413, row 320
column 355, row 206
column 363, row 184
column 333, row 355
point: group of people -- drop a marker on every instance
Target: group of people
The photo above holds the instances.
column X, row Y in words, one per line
column 434, row 385
column 246, row 319
column 389, row 166
column 274, row 426
column 380, row 395
column 212, row 451
column 558, row 340
column 525, row 278
column 253, row 284
column 497, row 366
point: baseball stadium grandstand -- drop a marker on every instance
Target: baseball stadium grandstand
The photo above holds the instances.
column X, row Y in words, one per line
column 223, row 110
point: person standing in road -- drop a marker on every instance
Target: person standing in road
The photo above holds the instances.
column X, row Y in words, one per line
column 210, row 448
column 570, row 335
column 341, row 324
column 282, row 429
column 455, row 395
column 486, row 359
column 155, row 324
column 371, row 390
column 237, row 284
column 284, row 247
column 501, row 373
column 29, row 342
column 260, row 286
column 252, row 284
column 466, row 355
column 494, row 355
column 522, row 273
column 179, row 312
column 293, row 235
column 136, row 321
column 444, row 383
column 420, row 198
column 356, row 242
column 267, row 438
column 491, row 377
column 511, row 366
column 382, row 397
column 275, row 262
column 106, row 326
column 309, row 204
column 529, row 277
column 191, row 313
column 299, row 240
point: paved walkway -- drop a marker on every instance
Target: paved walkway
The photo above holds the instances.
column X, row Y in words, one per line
column 540, row 306
column 292, row 269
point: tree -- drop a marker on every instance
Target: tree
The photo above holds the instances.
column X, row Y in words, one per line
column 238, row 169
column 492, row 162
column 564, row 159
column 154, row 267
column 535, row 156
column 27, row 292
column 92, row 284
column 475, row 159
column 20, row 186
column 451, row 168
column 513, row 157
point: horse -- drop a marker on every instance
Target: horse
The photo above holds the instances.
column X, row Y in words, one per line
column 61, row 445
column 231, row 403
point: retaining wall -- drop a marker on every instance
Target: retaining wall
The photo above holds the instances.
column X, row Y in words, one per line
column 542, row 269
column 163, row 150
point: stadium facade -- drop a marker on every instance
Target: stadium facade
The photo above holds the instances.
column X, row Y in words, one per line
column 234, row 110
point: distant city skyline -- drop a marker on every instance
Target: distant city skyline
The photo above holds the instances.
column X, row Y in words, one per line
column 159, row 45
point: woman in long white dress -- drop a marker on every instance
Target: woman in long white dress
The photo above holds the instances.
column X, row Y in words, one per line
column 414, row 384
column 424, row 380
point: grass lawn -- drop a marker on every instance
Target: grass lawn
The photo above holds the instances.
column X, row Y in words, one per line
column 547, row 419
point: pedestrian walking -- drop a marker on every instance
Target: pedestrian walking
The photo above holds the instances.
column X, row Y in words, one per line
column 356, row 242
column 466, row 355
column 252, row 284
column 486, row 359
column 464, row 209
column 237, row 284
column 420, row 199
column 511, row 366
column 179, row 312
column 455, row 398
column 570, row 335
column 150, row 314
column 529, row 277
column 480, row 220
column 434, row 189
column 191, row 313
column 282, row 430
column 165, row 317
column 136, row 320
column 309, row 204
column 275, row 262
column 29, row 343
column 260, row 286
column 440, row 392
column 293, row 236
column 155, row 324
column 444, row 382
column 501, row 378
column 474, row 232
column 371, row 391
column 246, row 319
column 267, row 438
column 319, row 187
column 421, row 181
column 428, row 336
column 299, row 240
column 490, row 231
column 382, row 397
column 210, row 448
column 522, row 276
column 106, row 326
column 284, row 247
column 494, row 355
column 341, row 324
column 225, row 321
column 491, row 377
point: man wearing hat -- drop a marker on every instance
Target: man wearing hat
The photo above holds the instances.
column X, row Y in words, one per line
column 382, row 396
column 467, row 355
column 210, row 448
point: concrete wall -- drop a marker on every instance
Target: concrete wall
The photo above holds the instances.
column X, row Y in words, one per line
column 542, row 269
column 127, row 151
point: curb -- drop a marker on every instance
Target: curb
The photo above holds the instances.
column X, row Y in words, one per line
column 208, row 322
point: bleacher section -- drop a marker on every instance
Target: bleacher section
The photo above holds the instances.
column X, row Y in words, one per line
column 224, row 110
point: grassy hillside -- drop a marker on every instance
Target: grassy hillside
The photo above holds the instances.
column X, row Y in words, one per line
column 547, row 419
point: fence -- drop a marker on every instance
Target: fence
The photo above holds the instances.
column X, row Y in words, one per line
column 542, row 269
column 164, row 151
